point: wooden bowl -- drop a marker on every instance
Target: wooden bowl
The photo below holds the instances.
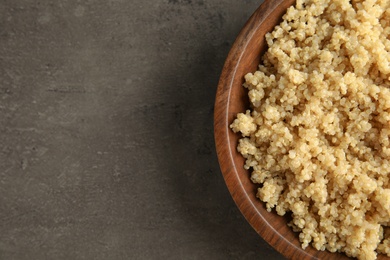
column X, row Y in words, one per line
column 231, row 99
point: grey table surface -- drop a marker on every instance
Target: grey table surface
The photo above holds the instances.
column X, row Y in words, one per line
column 106, row 120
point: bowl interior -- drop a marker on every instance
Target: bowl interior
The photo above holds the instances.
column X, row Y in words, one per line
column 231, row 99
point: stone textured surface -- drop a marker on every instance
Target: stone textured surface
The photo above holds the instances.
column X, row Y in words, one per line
column 106, row 143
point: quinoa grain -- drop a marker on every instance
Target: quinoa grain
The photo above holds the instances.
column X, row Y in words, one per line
column 317, row 136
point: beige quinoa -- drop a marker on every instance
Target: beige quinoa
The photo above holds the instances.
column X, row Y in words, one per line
column 317, row 135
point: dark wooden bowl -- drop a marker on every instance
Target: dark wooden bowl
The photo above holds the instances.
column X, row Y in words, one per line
column 231, row 99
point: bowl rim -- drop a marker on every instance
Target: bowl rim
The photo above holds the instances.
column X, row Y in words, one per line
column 225, row 153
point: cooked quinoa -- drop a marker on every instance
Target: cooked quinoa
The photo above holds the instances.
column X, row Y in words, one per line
column 316, row 138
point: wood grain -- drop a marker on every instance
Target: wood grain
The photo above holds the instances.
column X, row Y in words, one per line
column 231, row 99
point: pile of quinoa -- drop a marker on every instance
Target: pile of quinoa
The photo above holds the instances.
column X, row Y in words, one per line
column 316, row 138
